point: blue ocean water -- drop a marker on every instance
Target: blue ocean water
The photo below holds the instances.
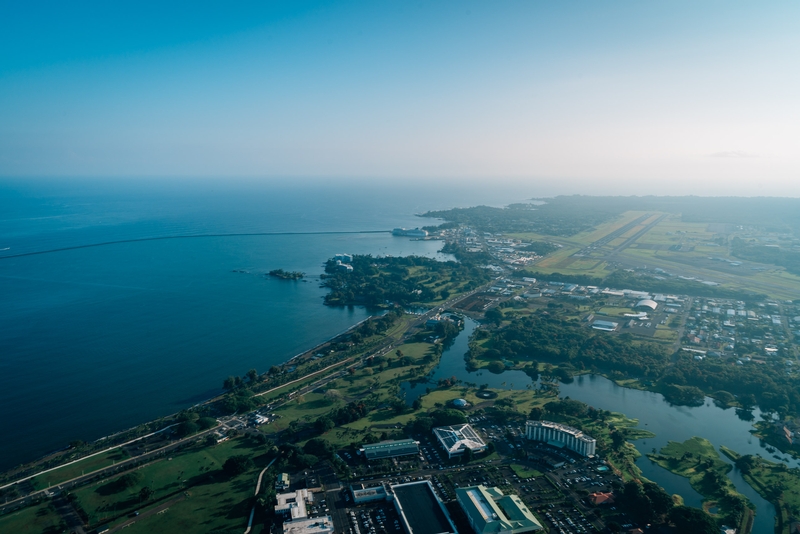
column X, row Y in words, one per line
column 95, row 340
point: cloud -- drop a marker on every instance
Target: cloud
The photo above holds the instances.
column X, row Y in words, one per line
column 732, row 154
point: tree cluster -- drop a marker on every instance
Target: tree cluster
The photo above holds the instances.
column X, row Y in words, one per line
column 401, row 280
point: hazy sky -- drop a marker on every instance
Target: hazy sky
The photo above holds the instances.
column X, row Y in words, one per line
column 638, row 97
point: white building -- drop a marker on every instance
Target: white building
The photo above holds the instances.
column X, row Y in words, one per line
column 314, row 525
column 458, row 438
column 344, row 267
column 561, row 436
column 292, row 506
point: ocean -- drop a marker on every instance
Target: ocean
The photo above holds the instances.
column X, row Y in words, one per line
column 97, row 339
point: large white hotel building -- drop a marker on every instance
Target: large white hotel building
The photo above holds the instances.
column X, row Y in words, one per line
column 561, row 435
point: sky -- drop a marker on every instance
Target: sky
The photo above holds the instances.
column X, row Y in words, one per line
column 678, row 97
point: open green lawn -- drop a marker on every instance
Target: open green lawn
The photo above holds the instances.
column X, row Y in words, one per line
column 39, row 519
column 197, row 466
column 525, row 472
column 77, row 469
column 666, row 333
column 220, row 507
column 305, row 406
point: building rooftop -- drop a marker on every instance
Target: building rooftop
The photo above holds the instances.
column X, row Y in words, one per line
column 294, row 504
column 456, row 438
column 601, row 498
column 315, row 525
column 490, row 511
column 607, row 326
column 647, row 303
column 373, row 492
column 388, row 448
column 421, row 510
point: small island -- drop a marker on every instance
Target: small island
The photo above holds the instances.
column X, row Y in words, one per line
column 287, row 275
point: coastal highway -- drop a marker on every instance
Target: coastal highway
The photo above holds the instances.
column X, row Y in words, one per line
column 116, row 469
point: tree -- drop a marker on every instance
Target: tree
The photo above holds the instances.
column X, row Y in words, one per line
column 238, row 464
column 206, row 422
column 145, row 493
column 252, row 376
column 692, row 521
column 660, row 501
column 229, row 383
column 186, row 428
column 494, row 315
column 536, row 413
column 319, row 448
column 323, row 424
column 333, row 396
column 746, row 463
column 496, row 367
column 448, row 417
column 617, row 439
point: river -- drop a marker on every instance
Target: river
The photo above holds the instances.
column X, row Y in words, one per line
column 666, row 421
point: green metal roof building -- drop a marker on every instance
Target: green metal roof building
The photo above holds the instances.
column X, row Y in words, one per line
column 491, row 511
column 389, row 449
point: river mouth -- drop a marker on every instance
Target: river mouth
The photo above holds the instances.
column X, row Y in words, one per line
column 667, row 421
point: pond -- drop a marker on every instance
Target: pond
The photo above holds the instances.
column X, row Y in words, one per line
column 452, row 364
column 666, row 421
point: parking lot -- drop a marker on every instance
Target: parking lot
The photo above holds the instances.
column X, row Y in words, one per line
column 555, row 482
column 373, row 518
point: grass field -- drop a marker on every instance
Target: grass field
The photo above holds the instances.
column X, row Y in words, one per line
column 39, row 519
column 221, row 507
column 553, row 260
column 602, row 230
column 192, row 470
column 75, row 470
column 666, row 334
column 525, row 472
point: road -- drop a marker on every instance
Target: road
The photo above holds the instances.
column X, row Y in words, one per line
column 117, row 468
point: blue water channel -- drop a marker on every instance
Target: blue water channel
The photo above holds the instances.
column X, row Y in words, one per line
column 666, row 421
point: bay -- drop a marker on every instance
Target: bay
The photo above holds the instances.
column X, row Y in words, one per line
column 96, row 340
